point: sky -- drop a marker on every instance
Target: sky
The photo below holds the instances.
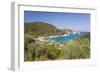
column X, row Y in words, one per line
column 74, row 21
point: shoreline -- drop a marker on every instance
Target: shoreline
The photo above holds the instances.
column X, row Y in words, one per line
column 44, row 38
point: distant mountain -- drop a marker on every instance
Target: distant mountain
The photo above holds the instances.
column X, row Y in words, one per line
column 67, row 30
column 43, row 29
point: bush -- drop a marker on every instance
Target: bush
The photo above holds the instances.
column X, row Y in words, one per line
column 52, row 52
column 28, row 56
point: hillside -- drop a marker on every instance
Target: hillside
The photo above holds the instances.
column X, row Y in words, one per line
column 42, row 29
column 77, row 49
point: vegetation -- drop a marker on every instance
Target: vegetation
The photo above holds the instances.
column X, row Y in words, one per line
column 36, row 50
column 77, row 49
column 52, row 52
column 42, row 29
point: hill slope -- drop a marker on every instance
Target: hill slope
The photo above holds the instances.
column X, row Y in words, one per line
column 42, row 29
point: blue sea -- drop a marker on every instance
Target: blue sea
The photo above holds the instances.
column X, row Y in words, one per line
column 65, row 39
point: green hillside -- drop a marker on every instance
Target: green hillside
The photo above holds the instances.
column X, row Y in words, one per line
column 42, row 29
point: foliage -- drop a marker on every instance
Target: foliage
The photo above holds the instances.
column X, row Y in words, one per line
column 32, row 47
column 52, row 52
column 36, row 50
column 42, row 29
column 77, row 49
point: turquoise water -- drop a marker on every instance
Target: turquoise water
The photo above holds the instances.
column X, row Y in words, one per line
column 65, row 39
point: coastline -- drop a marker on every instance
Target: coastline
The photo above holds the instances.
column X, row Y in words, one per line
column 44, row 39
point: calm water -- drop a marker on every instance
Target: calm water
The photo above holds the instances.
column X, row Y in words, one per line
column 65, row 39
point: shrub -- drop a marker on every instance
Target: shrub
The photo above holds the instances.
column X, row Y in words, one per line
column 28, row 56
column 52, row 52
